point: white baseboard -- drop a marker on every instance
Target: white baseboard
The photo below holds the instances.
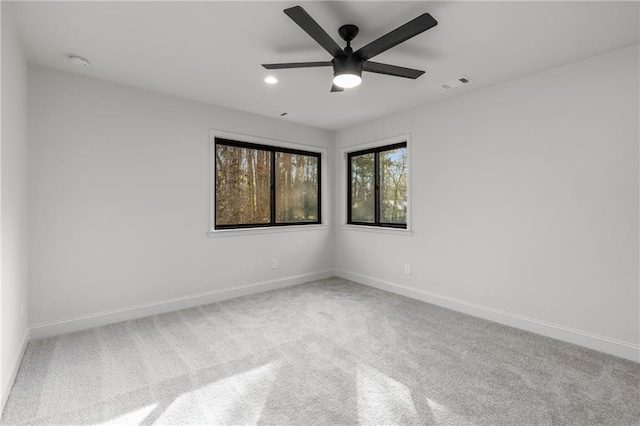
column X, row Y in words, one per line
column 14, row 373
column 69, row 325
column 604, row 344
column 600, row 343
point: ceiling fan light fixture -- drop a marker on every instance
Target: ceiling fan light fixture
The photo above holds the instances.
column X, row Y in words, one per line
column 347, row 81
column 347, row 71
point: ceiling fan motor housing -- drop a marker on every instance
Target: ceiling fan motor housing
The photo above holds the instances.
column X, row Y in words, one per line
column 349, row 64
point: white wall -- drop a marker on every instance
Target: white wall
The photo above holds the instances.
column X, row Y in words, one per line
column 119, row 205
column 525, row 204
column 13, row 199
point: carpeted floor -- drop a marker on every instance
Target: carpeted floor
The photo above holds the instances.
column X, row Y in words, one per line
column 325, row 353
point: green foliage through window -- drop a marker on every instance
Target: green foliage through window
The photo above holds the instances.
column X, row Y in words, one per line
column 260, row 185
column 377, row 187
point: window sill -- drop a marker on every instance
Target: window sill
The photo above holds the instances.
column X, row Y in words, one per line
column 378, row 229
column 269, row 230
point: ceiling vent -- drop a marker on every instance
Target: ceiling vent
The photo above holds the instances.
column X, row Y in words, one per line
column 456, row 82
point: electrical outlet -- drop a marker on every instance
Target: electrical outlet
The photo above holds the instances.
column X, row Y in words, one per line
column 274, row 263
column 407, row 269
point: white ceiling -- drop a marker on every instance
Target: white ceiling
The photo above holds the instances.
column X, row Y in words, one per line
column 212, row 51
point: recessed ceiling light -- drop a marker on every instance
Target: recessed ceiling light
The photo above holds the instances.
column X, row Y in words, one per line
column 79, row 61
column 271, row 80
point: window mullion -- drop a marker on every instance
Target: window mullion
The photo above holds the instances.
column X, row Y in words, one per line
column 376, row 173
column 349, row 187
column 273, row 187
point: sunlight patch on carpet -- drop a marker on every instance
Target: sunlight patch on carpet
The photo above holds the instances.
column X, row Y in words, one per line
column 238, row 399
column 383, row 400
column 445, row 416
column 132, row 418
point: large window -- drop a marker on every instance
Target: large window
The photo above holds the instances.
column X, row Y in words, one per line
column 259, row 185
column 377, row 186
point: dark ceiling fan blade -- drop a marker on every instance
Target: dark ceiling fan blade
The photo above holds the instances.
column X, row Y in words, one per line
column 335, row 88
column 297, row 65
column 391, row 70
column 403, row 33
column 311, row 27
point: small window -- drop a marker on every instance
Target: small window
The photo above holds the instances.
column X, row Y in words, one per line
column 377, row 186
column 260, row 185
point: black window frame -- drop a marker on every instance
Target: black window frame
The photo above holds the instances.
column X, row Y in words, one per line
column 376, row 150
column 273, row 150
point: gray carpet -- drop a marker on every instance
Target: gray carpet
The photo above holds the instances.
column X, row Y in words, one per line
column 323, row 353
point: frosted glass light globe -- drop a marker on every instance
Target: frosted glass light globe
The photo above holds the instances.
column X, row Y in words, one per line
column 347, row 81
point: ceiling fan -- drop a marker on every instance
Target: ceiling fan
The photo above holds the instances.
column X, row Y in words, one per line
column 347, row 64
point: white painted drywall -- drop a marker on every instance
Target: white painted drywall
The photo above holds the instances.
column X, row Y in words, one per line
column 119, row 205
column 13, row 200
column 524, row 198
